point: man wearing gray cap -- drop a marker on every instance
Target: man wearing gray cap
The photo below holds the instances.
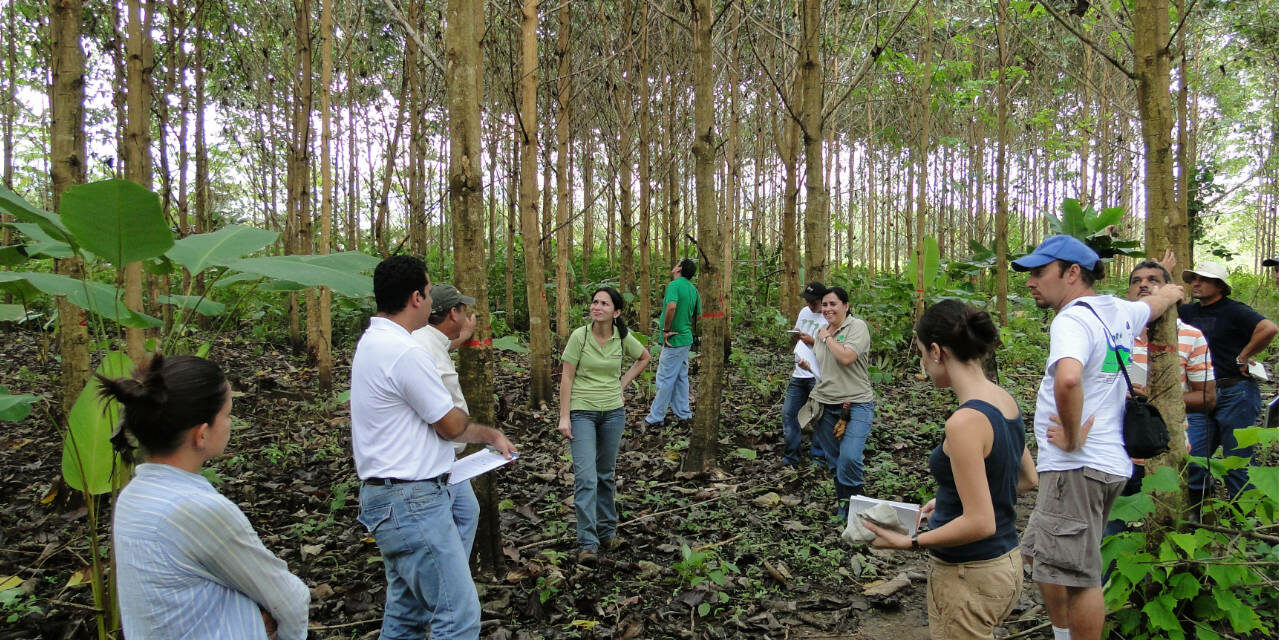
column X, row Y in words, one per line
column 1235, row 333
column 448, row 327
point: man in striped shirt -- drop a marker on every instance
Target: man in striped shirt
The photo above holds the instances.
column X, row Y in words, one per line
column 1198, row 390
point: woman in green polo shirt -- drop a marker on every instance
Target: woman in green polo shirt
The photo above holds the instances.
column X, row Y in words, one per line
column 592, row 415
column 844, row 391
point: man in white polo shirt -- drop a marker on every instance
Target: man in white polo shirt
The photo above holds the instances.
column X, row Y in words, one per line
column 403, row 426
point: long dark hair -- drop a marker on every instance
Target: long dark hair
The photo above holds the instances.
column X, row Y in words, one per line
column 967, row 331
column 164, row 398
column 618, row 304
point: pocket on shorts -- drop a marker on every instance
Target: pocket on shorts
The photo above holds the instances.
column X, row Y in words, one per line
column 1059, row 540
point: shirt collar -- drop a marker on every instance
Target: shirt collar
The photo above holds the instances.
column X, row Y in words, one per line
column 379, row 323
column 437, row 335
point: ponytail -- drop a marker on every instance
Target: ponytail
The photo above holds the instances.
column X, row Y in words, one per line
column 162, row 400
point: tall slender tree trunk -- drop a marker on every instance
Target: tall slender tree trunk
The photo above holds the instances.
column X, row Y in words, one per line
column 1166, row 228
column 701, row 455
column 463, row 72
column 67, row 168
column 589, row 201
column 535, row 289
column 626, row 135
column 321, row 347
column 513, row 212
column 298, row 228
column 816, row 218
column 645, row 294
column 1002, row 165
column 137, row 148
column 789, row 302
column 921, row 148
column 563, row 186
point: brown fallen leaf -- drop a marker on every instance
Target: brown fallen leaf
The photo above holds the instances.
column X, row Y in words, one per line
column 630, row 630
column 321, row 592
column 768, row 500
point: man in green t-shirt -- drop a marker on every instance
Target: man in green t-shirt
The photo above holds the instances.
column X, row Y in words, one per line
column 680, row 306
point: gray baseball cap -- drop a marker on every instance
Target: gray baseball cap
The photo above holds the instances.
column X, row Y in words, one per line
column 445, row 297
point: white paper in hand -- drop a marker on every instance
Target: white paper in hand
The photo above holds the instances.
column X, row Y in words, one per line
column 482, row 461
column 1258, row 370
column 803, row 352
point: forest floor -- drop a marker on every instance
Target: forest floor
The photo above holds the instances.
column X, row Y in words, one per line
column 746, row 552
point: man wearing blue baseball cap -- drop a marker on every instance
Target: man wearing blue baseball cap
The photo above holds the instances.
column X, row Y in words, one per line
column 1079, row 413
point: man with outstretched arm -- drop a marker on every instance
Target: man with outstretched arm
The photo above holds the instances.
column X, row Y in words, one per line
column 808, row 321
column 403, row 426
column 1079, row 415
column 1236, row 333
column 680, row 306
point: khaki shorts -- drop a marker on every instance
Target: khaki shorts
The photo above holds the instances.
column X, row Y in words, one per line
column 969, row 599
column 1064, row 534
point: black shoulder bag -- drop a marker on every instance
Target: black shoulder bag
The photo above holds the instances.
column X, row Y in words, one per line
column 1145, row 434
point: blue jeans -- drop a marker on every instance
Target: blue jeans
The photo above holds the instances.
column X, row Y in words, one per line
column 673, row 385
column 797, row 395
column 466, row 513
column 595, row 451
column 848, row 463
column 429, row 583
column 1237, row 408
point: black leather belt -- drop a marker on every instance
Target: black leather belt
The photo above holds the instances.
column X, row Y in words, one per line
column 442, row 478
column 1229, row 381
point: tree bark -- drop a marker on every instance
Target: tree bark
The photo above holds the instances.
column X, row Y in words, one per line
column 816, row 219
column 1002, row 166
column 321, row 348
column 1166, row 229
column 921, row 148
column 298, row 227
column 644, row 296
column 137, row 147
column 563, row 228
column 463, row 69
column 539, row 333
column 67, row 168
column 701, row 455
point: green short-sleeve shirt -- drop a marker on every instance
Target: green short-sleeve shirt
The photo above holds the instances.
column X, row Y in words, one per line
column 597, row 381
column 685, row 295
column 840, row 384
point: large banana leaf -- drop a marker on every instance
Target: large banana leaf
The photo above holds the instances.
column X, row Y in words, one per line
column 202, row 306
column 305, row 270
column 15, row 407
column 87, row 456
column 118, row 220
column 40, row 243
column 228, row 244
column 14, row 205
column 102, row 299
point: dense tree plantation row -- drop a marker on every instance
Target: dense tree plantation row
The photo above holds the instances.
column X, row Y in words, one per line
column 221, row 178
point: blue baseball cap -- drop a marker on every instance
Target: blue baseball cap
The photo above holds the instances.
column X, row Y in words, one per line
column 1058, row 248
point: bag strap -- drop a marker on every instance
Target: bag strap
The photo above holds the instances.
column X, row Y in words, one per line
column 1107, row 334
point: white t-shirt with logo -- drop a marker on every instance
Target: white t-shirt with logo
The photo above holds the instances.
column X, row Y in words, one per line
column 1076, row 333
column 807, row 322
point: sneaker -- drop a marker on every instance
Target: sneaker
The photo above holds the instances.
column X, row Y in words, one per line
column 587, row 557
column 612, row 543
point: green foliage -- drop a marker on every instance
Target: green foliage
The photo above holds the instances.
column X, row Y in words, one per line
column 1093, row 228
column 931, row 262
column 201, row 251
column 328, row 270
column 698, row 567
column 89, row 463
column 1193, row 581
column 15, row 407
column 103, row 300
column 117, row 220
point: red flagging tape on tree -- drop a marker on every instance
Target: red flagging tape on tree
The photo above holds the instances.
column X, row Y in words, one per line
column 713, row 315
column 476, row 343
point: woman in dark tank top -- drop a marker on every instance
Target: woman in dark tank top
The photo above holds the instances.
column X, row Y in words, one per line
column 975, row 573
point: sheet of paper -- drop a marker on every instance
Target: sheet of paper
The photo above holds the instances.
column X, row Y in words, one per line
column 1258, row 370
column 1137, row 373
column 803, row 352
column 907, row 513
column 482, row 461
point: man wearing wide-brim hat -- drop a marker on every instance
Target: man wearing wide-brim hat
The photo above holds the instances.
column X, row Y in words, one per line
column 1236, row 333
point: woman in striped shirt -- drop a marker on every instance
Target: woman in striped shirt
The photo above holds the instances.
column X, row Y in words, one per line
column 188, row 563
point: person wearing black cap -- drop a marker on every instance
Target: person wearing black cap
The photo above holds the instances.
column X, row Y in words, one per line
column 1235, row 333
column 808, row 321
column 1081, row 457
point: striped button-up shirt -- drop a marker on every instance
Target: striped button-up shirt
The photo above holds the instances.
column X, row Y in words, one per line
column 189, row 564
